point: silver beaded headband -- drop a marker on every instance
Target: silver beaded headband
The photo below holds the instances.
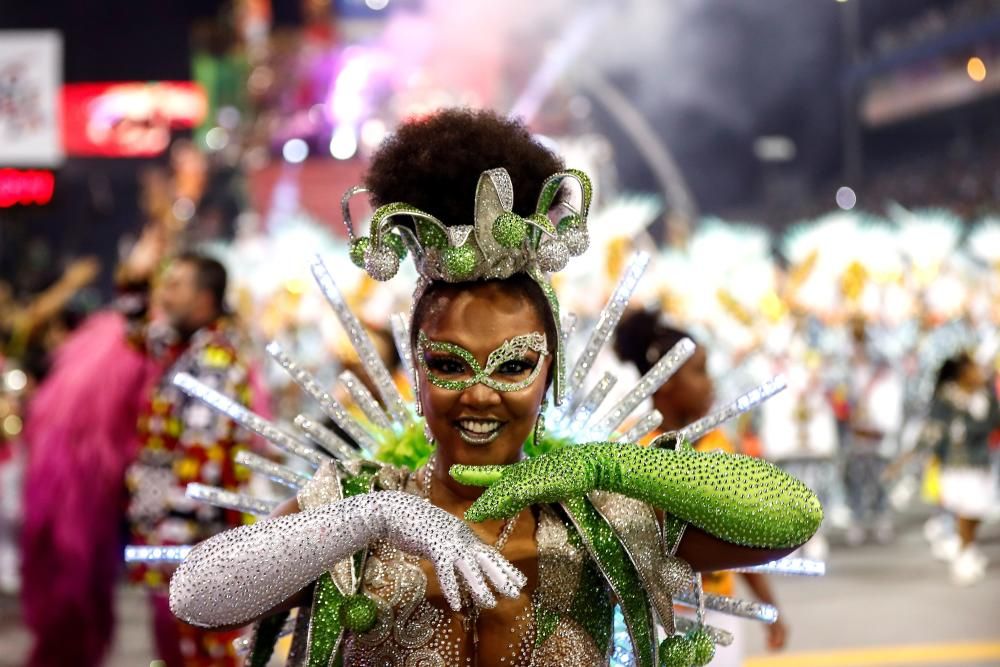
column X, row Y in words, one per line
column 499, row 244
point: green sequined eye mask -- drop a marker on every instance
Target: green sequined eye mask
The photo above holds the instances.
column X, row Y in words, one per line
column 468, row 372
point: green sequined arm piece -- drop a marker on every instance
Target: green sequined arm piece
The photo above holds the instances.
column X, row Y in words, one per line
column 739, row 499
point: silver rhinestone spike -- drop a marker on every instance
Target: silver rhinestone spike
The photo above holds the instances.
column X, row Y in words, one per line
column 401, row 335
column 576, row 421
column 694, row 432
column 230, row 500
column 327, row 439
column 606, row 323
column 247, row 419
column 364, row 400
column 152, row 555
column 370, row 359
column 718, row 635
column 790, row 566
column 568, row 328
column 279, row 473
column 331, row 406
column 698, row 591
column 646, row 386
column 755, row 611
column 646, row 425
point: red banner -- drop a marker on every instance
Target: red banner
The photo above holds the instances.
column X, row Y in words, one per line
column 128, row 119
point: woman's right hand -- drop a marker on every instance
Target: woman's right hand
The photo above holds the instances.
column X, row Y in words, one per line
column 241, row 574
column 418, row 527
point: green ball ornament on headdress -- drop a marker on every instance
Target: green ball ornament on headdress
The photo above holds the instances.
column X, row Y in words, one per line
column 510, row 230
column 357, row 252
column 695, row 649
column 460, row 263
column 395, row 242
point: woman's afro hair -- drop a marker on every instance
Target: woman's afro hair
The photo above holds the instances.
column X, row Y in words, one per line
column 434, row 163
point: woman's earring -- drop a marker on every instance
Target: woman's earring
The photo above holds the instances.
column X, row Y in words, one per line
column 540, row 423
column 428, row 434
column 416, row 396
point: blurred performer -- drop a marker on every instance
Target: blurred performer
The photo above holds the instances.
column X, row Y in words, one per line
column 963, row 415
column 183, row 441
column 798, row 428
column 25, row 325
column 686, row 397
column 29, row 332
column 870, row 437
column 81, row 434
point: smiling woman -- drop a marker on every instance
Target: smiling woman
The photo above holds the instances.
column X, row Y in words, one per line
column 562, row 537
column 484, row 356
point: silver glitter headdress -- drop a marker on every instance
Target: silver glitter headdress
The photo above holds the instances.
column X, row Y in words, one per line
column 499, row 243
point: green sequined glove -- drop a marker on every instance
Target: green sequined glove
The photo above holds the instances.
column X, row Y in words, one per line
column 739, row 499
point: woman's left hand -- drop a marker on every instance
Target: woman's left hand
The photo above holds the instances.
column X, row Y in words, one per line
column 544, row 479
column 738, row 499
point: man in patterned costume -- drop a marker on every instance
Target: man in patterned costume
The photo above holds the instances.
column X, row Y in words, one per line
column 183, row 441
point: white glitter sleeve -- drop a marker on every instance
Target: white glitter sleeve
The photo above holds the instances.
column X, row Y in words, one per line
column 240, row 574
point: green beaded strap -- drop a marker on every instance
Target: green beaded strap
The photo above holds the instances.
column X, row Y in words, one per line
column 592, row 608
column 570, row 584
column 621, row 575
column 559, row 378
column 327, row 624
column 635, row 523
column 325, row 628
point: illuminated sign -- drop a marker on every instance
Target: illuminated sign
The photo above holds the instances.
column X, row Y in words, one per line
column 32, row 186
column 131, row 119
column 30, row 77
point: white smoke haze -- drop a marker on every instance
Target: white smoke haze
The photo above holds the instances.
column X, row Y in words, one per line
column 708, row 75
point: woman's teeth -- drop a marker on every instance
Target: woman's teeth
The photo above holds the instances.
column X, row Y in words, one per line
column 479, row 431
column 482, row 427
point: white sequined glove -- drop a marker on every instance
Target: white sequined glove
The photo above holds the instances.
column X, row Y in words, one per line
column 242, row 573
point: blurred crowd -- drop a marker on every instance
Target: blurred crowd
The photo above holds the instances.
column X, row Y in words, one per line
column 881, row 314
